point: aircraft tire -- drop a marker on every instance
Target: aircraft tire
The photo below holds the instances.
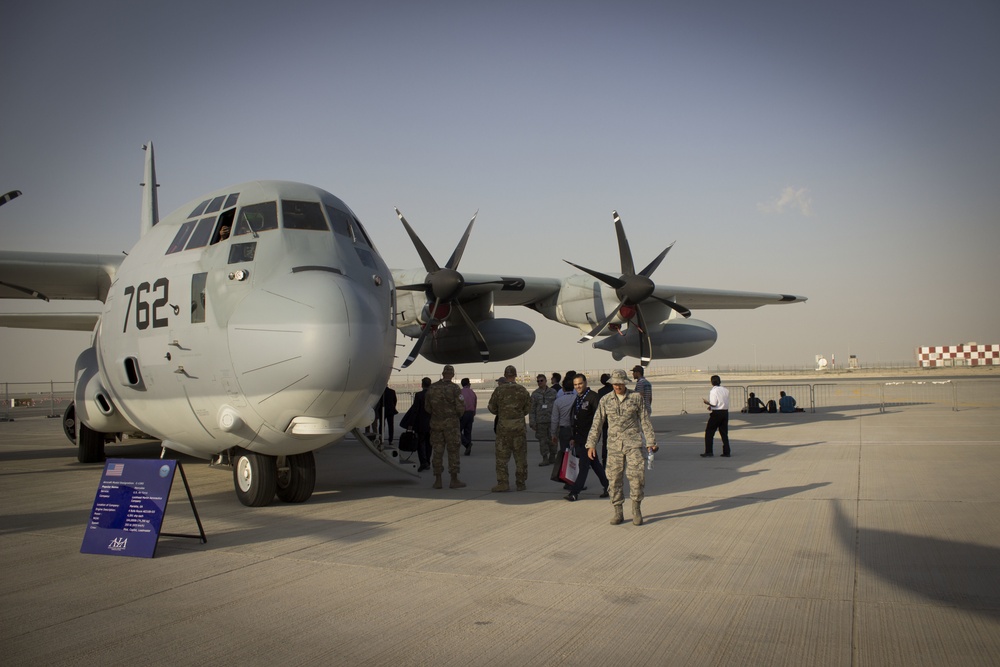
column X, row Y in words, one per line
column 297, row 478
column 255, row 478
column 91, row 446
column 69, row 422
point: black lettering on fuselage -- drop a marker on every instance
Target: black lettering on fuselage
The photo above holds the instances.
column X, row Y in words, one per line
column 144, row 312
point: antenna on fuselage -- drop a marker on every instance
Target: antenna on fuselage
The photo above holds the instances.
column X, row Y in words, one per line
column 150, row 206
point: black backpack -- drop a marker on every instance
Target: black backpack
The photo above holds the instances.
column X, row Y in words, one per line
column 772, row 406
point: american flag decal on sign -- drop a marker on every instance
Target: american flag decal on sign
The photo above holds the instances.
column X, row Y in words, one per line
column 115, row 469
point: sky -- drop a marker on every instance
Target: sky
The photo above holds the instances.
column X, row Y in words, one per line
column 848, row 151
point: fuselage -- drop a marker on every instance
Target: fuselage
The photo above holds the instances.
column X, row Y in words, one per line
column 278, row 339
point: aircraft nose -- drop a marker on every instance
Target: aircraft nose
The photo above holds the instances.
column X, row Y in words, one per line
column 311, row 344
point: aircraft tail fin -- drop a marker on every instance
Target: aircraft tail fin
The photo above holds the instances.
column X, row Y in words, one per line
column 150, row 206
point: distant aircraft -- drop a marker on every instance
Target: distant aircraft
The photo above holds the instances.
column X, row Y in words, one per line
column 258, row 323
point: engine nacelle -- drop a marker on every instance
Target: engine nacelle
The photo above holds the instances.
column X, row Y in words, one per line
column 94, row 405
column 505, row 338
column 675, row 340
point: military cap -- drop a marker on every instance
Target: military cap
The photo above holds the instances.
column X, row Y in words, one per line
column 448, row 369
column 639, row 369
column 618, row 376
column 509, row 370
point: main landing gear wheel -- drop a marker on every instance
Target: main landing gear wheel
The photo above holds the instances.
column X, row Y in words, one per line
column 91, row 446
column 296, row 477
column 255, row 477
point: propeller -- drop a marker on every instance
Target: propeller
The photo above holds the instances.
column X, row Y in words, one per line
column 632, row 289
column 443, row 285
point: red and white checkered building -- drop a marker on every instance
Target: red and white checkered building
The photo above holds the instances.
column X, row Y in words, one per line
column 969, row 354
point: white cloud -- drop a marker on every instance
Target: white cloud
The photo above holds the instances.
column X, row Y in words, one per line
column 791, row 199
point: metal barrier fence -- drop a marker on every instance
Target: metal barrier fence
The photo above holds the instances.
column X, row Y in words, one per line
column 950, row 394
column 50, row 399
column 35, row 399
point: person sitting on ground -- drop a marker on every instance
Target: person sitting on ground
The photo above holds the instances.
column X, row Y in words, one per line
column 754, row 404
column 787, row 404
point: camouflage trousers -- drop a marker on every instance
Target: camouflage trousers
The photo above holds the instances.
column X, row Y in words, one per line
column 628, row 463
column 543, row 433
column 512, row 441
column 445, row 439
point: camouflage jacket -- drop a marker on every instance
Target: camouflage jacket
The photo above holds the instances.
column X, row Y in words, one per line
column 625, row 419
column 510, row 402
column 541, row 406
column 445, row 403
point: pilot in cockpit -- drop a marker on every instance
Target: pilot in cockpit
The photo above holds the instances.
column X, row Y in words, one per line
column 223, row 233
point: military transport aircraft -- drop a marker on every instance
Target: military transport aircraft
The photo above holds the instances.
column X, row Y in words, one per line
column 258, row 323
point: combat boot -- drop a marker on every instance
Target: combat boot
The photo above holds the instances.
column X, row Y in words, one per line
column 456, row 483
column 618, row 517
column 437, row 482
column 500, row 488
column 636, row 513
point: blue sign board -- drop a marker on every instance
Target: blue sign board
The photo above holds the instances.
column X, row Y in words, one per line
column 129, row 507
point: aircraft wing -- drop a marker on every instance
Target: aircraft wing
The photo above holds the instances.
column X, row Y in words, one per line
column 697, row 298
column 48, row 276
column 50, row 321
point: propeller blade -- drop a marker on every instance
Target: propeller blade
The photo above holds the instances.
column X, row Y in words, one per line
column 676, row 306
column 648, row 271
column 425, row 256
column 420, row 339
column 484, row 350
column 600, row 327
column 416, row 348
column 616, row 283
column 645, row 346
column 624, row 252
column 10, row 195
column 416, row 287
column 456, row 256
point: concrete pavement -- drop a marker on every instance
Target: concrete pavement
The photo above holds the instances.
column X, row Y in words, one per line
column 843, row 537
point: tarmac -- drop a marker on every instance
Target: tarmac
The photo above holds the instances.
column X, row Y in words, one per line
column 845, row 536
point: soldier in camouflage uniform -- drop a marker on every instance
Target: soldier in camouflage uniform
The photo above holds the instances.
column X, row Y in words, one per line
column 540, row 419
column 628, row 421
column 445, row 404
column 511, row 402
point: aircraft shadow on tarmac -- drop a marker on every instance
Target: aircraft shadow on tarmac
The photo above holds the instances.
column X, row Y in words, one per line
column 961, row 574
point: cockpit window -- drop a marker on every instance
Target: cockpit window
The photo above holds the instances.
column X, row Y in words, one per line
column 303, row 215
column 199, row 209
column 256, row 218
column 242, row 252
column 341, row 222
column 216, row 204
column 181, row 237
column 201, row 234
column 366, row 258
column 361, row 229
column 231, row 200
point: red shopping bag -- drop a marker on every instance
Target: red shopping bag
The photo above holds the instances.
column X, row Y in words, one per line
column 570, row 467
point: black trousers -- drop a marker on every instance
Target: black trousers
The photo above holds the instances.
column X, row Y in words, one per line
column 718, row 420
column 585, row 465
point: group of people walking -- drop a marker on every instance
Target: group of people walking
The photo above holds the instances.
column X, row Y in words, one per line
column 608, row 430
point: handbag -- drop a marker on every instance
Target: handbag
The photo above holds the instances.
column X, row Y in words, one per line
column 408, row 441
column 570, row 467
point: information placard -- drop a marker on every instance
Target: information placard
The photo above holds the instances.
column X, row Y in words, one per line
column 129, row 507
